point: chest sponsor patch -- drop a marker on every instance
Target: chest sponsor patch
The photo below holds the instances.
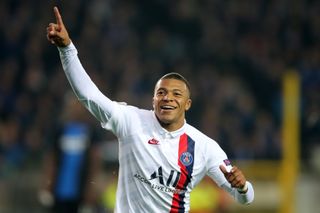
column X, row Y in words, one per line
column 186, row 158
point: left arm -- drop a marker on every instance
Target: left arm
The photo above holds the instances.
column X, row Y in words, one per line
column 237, row 185
column 228, row 177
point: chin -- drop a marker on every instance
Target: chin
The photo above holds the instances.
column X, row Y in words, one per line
column 165, row 121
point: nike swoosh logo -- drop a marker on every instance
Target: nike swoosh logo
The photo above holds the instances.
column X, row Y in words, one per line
column 153, row 141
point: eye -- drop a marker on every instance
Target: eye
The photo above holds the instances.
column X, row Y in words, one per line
column 160, row 92
column 178, row 94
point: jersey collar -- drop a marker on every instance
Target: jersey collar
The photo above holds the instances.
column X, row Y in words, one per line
column 162, row 131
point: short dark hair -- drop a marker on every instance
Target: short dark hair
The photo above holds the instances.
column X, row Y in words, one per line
column 177, row 76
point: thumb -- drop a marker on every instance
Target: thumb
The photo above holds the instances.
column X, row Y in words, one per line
column 223, row 169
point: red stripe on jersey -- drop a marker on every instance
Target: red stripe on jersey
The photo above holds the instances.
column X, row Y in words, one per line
column 177, row 201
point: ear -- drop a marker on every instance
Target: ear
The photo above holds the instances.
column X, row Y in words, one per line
column 188, row 104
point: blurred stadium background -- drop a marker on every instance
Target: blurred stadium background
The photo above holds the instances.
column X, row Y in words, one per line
column 254, row 66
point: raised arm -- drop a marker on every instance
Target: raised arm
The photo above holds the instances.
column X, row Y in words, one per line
column 84, row 88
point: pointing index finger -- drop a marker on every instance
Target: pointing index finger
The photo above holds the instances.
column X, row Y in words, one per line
column 58, row 16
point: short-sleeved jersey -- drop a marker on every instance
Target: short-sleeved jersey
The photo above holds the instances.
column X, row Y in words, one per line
column 158, row 169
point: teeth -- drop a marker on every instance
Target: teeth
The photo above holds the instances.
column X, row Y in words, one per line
column 167, row 107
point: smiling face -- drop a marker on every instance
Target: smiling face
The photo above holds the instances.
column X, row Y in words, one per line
column 170, row 102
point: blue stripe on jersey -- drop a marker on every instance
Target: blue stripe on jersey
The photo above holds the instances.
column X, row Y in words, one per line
column 190, row 149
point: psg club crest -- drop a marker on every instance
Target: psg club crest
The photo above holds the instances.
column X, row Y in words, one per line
column 186, row 158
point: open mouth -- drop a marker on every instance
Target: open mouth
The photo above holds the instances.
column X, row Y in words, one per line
column 167, row 107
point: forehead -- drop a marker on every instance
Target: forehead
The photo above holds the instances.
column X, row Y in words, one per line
column 171, row 84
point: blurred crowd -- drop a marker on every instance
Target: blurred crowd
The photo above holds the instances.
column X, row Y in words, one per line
column 234, row 53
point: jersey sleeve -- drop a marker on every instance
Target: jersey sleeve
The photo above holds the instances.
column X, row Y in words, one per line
column 243, row 198
column 110, row 113
column 215, row 157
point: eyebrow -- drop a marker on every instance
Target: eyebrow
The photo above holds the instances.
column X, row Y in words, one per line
column 174, row 90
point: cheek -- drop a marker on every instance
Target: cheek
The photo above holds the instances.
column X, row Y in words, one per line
column 154, row 103
column 187, row 105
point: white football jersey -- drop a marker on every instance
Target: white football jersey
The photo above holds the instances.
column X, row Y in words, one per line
column 158, row 169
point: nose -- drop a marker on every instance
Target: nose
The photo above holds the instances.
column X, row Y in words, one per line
column 167, row 97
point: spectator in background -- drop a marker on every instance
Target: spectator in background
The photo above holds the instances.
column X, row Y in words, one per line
column 12, row 150
column 72, row 163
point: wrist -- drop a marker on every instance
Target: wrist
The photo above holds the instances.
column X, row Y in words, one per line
column 67, row 42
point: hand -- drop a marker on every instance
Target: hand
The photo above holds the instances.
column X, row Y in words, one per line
column 45, row 198
column 235, row 177
column 56, row 32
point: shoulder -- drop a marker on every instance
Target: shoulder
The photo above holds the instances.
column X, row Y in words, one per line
column 133, row 114
column 199, row 136
column 207, row 149
column 204, row 142
column 126, row 109
column 144, row 113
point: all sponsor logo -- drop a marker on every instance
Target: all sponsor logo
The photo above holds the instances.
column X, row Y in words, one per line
column 165, row 184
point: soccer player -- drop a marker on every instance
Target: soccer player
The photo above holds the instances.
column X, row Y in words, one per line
column 72, row 160
column 161, row 156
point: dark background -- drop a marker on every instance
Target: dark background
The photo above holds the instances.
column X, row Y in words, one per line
column 234, row 53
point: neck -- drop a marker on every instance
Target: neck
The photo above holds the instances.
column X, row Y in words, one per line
column 170, row 127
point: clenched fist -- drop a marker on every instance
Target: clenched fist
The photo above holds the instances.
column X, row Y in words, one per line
column 236, row 178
